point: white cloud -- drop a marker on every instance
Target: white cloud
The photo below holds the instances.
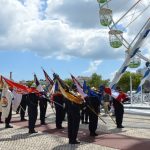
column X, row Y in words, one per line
column 70, row 29
column 93, row 66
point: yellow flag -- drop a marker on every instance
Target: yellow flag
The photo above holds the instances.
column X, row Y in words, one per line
column 69, row 96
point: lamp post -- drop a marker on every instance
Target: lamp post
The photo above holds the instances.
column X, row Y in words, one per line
column 131, row 89
column 10, row 75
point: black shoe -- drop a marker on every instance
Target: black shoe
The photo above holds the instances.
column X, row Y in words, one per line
column 120, row 126
column 23, row 119
column 8, row 126
column 43, row 123
column 60, row 127
column 86, row 122
column 32, row 131
column 75, row 142
column 1, row 121
column 93, row 134
column 82, row 122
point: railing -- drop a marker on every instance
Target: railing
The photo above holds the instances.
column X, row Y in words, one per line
column 141, row 98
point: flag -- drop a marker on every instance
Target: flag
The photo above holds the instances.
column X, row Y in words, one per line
column 18, row 87
column 39, row 86
column 119, row 96
column 47, row 78
column 63, row 84
column 79, row 87
column 56, row 87
column 75, row 80
column 36, row 81
column 17, row 100
column 70, row 96
column 145, row 77
column 84, row 87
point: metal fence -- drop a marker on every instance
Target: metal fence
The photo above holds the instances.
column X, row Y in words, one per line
column 143, row 98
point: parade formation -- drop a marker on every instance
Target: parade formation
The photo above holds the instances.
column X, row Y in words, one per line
column 79, row 103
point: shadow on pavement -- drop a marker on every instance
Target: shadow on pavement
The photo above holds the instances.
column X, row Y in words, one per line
column 20, row 136
column 143, row 145
column 66, row 147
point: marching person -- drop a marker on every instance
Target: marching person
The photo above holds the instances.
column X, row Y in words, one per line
column 23, row 106
column 106, row 99
column 119, row 108
column 73, row 113
column 0, row 107
column 58, row 100
column 32, row 103
column 43, row 107
column 93, row 103
column 1, row 115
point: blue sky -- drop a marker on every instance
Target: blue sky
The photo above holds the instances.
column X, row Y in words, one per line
column 24, row 64
column 60, row 35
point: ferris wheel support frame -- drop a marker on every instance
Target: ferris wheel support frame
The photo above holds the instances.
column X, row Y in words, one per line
column 142, row 57
column 145, row 77
column 127, row 12
column 133, row 51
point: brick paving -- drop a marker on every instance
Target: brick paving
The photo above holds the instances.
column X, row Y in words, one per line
column 135, row 135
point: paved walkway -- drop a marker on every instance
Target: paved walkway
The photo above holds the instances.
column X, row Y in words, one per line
column 135, row 135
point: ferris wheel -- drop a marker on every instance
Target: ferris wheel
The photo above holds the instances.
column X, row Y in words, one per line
column 119, row 22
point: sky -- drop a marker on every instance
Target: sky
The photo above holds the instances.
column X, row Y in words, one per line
column 64, row 36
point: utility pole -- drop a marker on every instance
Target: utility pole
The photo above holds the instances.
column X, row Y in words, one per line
column 131, row 89
column 10, row 76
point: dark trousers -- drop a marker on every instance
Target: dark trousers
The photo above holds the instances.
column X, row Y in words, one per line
column 93, row 121
column 23, row 106
column 119, row 111
column 32, row 112
column 7, row 120
column 18, row 109
column 59, row 115
column 73, row 121
column 93, row 108
column 0, row 116
column 119, row 115
column 43, row 107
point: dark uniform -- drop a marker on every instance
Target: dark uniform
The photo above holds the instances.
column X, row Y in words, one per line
column 23, row 106
column 93, row 102
column 0, row 117
column 58, row 99
column 43, row 107
column 32, row 102
column 0, row 111
column 119, row 111
column 119, row 108
column 73, row 111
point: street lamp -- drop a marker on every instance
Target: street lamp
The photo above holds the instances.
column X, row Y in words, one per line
column 131, row 89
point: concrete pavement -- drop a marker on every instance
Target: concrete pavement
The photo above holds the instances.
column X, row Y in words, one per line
column 135, row 135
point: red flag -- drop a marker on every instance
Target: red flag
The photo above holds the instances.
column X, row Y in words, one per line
column 118, row 95
column 19, row 87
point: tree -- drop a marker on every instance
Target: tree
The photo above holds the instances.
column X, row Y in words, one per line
column 29, row 83
column 68, row 82
column 96, row 81
column 124, row 82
